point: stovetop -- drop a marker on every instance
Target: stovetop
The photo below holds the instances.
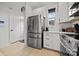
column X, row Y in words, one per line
column 73, row 36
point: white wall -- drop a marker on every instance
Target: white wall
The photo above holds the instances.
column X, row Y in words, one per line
column 4, row 31
column 65, row 25
column 63, row 11
column 28, row 12
column 54, row 27
column 6, row 27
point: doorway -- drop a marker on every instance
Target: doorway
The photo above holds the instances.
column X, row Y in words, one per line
column 16, row 28
column 16, row 23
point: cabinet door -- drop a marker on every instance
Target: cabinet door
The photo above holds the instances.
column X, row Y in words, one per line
column 55, row 42
column 52, row 41
column 63, row 11
column 47, row 40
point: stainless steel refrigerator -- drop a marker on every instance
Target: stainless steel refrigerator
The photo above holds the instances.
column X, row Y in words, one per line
column 34, row 32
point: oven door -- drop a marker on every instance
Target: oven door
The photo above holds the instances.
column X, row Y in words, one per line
column 65, row 50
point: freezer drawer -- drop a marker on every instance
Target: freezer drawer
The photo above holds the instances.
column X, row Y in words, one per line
column 34, row 42
column 34, row 35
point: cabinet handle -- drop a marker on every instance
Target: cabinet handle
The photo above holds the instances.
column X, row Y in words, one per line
column 69, row 41
column 11, row 29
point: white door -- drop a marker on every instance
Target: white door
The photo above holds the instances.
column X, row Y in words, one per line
column 15, row 28
column 55, row 42
column 11, row 17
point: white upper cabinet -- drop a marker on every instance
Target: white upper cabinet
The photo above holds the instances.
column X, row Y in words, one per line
column 63, row 11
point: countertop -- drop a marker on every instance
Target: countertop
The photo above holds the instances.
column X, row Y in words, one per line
column 59, row 32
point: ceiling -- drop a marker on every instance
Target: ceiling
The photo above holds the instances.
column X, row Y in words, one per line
column 15, row 7
column 35, row 5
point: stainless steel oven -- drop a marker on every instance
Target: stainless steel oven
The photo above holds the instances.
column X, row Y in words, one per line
column 68, row 46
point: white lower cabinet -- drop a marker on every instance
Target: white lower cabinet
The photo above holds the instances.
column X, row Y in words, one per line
column 52, row 41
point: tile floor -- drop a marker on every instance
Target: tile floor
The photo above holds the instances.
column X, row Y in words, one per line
column 18, row 49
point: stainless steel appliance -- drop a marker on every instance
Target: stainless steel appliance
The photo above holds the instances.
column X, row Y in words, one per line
column 34, row 32
column 68, row 45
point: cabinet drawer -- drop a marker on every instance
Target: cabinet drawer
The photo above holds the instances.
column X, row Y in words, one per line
column 51, row 41
column 46, row 34
column 47, row 45
column 47, row 38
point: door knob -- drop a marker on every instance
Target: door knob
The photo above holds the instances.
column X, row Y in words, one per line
column 11, row 29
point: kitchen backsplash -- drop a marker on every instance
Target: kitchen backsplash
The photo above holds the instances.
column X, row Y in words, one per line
column 65, row 25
